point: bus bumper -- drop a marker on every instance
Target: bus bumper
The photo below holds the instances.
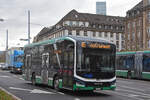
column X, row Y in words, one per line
column 76, row 88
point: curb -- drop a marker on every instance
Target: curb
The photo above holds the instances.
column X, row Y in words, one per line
column 10, row 94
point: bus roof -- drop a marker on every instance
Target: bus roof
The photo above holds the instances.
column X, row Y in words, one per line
column 77, row 38
column 125, row 53
column 130, row 52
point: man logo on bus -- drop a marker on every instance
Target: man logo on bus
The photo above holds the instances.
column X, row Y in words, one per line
column 83, row 44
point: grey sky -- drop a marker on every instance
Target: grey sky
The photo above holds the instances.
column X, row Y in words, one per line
column 47, row 13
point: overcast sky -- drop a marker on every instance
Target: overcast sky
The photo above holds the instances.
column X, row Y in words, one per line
column 47, row 13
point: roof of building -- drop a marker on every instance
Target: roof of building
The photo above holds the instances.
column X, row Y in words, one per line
column 93, row 18
column 138, row 6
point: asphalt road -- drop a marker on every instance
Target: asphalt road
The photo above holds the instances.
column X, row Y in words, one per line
column 126, row 90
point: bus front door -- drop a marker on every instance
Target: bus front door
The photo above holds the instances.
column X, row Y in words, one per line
column 28, row 67
column 138, row 65
column 45, row 65
column 68, row 70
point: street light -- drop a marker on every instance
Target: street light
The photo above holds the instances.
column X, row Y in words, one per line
column 24, row 39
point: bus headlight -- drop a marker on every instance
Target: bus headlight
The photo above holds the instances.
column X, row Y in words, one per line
column 18, row 69
column 113, row 83
column 80, row 85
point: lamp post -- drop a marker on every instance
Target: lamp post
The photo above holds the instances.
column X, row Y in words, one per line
column 6, row 40
column 28, row 26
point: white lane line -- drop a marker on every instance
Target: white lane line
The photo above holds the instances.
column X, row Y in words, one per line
column 60, row 93
column 21, row 78
column 140, row 93
column 131, row 88
column 76, row 99
column 55, row 91
column 129, row 96
column 35, row 91
column 5, row 76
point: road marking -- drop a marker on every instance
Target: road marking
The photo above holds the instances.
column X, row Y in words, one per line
column 132, row 95
column 131, row 88
column 14, row 88
column 76, row 99
column 129, row 96
column 5, row 76
column 32, row 91
column 21, row 78
column 134, row 92
column 61, row 93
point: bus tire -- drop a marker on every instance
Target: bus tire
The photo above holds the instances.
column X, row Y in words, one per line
column 56, row 83
column 33, row 79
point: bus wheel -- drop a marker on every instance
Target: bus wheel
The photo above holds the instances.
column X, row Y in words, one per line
column 33, row 79
column 56, row 84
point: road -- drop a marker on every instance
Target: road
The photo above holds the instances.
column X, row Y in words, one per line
column 126, row 90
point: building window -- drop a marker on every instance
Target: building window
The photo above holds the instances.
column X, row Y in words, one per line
column 117, row 27
column 111, row 27
column 94, row 34
column 106, row 35
column 122, row 36
column 133, row 36
column 148, row 43
column 77, row 23
column 93, row 26
column 86, row 24
column 105, row 26
column 149, row 16
column 128, row 25
column 85, row 33
column 133, row 24
column 111, row 35
column 70, row 33
column 70, row 23
column 74, row 23
column 100, row 26
column 117, row 44
column 148, row 32
column 100, row 34
column 128, row 36
column 122, row 43
column 117, row 36
column 77, row 33
column 139, row 34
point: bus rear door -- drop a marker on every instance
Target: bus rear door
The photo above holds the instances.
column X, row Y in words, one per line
column 45, row 65
column 28, row 67
column 138, row 65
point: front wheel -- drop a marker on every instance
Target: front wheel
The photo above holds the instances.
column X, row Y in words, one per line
column 56, row 84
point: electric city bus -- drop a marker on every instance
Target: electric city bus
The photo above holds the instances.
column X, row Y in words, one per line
column 73, row 63
column 133, row 64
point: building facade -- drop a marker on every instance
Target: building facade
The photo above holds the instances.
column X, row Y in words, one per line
column 101, row 8
column 110, row 28
column 137, row 28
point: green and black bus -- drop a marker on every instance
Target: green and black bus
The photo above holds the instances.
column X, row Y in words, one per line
column 133, row 64
column 73, row 63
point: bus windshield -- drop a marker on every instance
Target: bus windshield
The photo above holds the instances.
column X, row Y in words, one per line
column 96, row 60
